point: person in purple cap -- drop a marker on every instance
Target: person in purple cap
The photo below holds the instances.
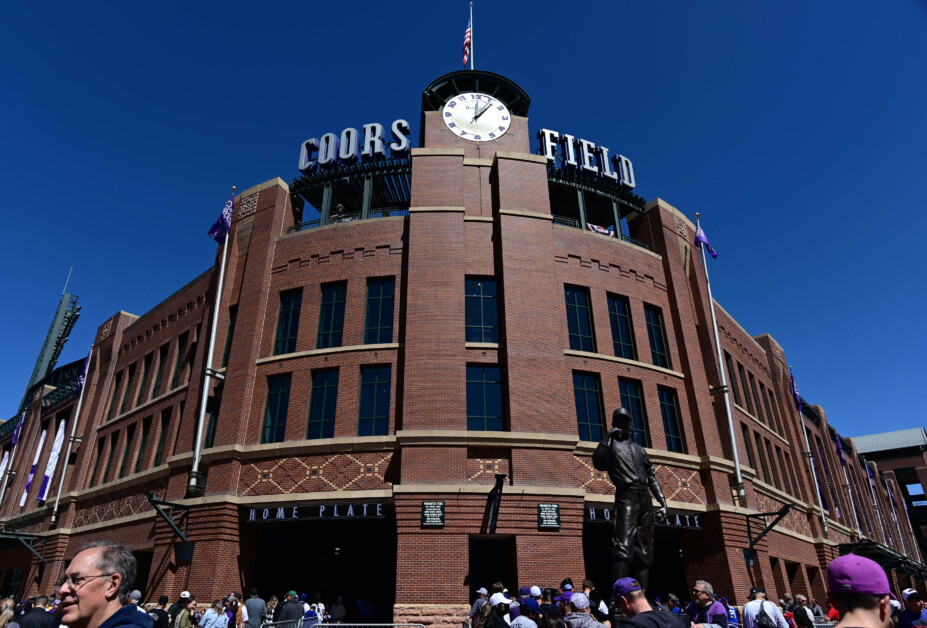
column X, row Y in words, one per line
column 704, row 609
column 629, row 596
column 859, row 589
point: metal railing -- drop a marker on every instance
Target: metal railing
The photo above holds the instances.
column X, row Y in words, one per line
column 566, row 221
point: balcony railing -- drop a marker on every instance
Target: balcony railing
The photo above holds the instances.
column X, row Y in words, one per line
column 343, row 217
column 575, row 224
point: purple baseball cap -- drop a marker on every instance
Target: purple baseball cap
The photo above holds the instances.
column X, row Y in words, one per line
column 530, row 603
column 564, row 597
column 856, row 575
column 524, row 591
column 623, row 586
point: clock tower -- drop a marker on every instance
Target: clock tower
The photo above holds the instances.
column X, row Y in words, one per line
column 479, row 112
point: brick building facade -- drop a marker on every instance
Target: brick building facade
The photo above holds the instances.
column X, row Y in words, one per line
column 416, row 354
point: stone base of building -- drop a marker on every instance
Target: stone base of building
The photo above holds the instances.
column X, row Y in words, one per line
column 431, row 615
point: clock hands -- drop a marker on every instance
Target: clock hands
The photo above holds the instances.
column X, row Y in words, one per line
column 480, row 112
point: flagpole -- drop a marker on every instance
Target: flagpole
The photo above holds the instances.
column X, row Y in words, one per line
column 807, row 453
column 471, row 35
column 71, row 441
column 741, row 494
column 201, row 419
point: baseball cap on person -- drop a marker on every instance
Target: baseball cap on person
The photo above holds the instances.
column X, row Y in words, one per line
column 292, row 593
column 531, row 603
column 163, row 600
column 524, row 591
column 579, row 601
column 482, row 591
column 856, row 575
column 909, row 593
column 135, row 595
column 564, row 597
column 657, row 600
column 184, row 594
column 568, row 587
column 535, row 591
column 499, row 598
column 755, row 590
column 623, row 586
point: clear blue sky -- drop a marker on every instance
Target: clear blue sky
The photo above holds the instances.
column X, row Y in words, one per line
column 797, row 129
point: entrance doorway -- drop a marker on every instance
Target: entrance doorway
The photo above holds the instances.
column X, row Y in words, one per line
column 667, row 575
column 355, row 559
column 492, row 559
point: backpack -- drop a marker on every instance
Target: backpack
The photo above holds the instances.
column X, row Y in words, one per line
column 763, row 620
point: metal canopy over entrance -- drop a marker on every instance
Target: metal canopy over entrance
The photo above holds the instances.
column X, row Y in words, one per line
column 12, row 538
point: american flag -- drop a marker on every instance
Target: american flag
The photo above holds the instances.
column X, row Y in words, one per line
column 467, row 42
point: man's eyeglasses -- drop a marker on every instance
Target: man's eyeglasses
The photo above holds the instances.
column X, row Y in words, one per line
column 76, row 582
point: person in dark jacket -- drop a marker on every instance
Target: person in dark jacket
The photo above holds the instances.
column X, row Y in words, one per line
column 292, row 610
column 38, row 617
column 95, row 589
column 630, row 598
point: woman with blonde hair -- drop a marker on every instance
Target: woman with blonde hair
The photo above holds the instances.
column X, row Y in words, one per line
column 215, row 617
column 7, row 614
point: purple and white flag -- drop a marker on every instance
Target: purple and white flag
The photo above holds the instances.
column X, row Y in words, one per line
column 701, row 238
column 35, row 463
column 82, row 378
column 19, row 427
column 220, row 229
column 52, row 460
column 794, row 389
column 602, row 230
column 843, row 462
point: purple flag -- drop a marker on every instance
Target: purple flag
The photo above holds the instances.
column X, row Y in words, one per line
column 82, row 378
column 220, row 229
column 701, row 238
column 19, row 427
column 843, row 462
column 52, row 461
column 795, row 394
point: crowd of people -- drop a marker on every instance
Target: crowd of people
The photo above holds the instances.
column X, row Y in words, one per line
column 858, row 590
column 96, row 592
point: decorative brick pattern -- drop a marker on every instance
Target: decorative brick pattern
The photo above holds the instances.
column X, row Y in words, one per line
column 339, row 472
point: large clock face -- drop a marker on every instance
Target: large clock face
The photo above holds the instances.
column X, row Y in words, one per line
column 476, row 117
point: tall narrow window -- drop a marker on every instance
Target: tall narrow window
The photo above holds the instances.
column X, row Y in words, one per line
column 146, row 373
column 114, row 401
column 126, row 454
column 322, row 404
column 799, row 493
column 756, row 399
column 113, row 442
column 143, row 444
column 212, row 423
column 619, row 312
column 378, row 323
column 159, row 376
column 96, row 465
column 732, row 378
column 748, row 445
column 579, row 319
column 16, row 579
column 181, row 357
column 770, row 419
column 482, row 310
column 632, row 398
column 764, row 466
column 775, row 408
column 162, row 436
column 291, row 303
column 484, row 398
column 373, row 415
column 233, row 318
column 672, row 423
column 128, row 391
column 656, row 332
column 331, row 316
column 590, row 408
column 278, row 402
column 785, row 474
column 772, row 464
column 743, row 385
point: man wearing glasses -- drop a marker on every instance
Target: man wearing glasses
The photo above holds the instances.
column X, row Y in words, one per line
column 95, row 588
column 704, row 610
